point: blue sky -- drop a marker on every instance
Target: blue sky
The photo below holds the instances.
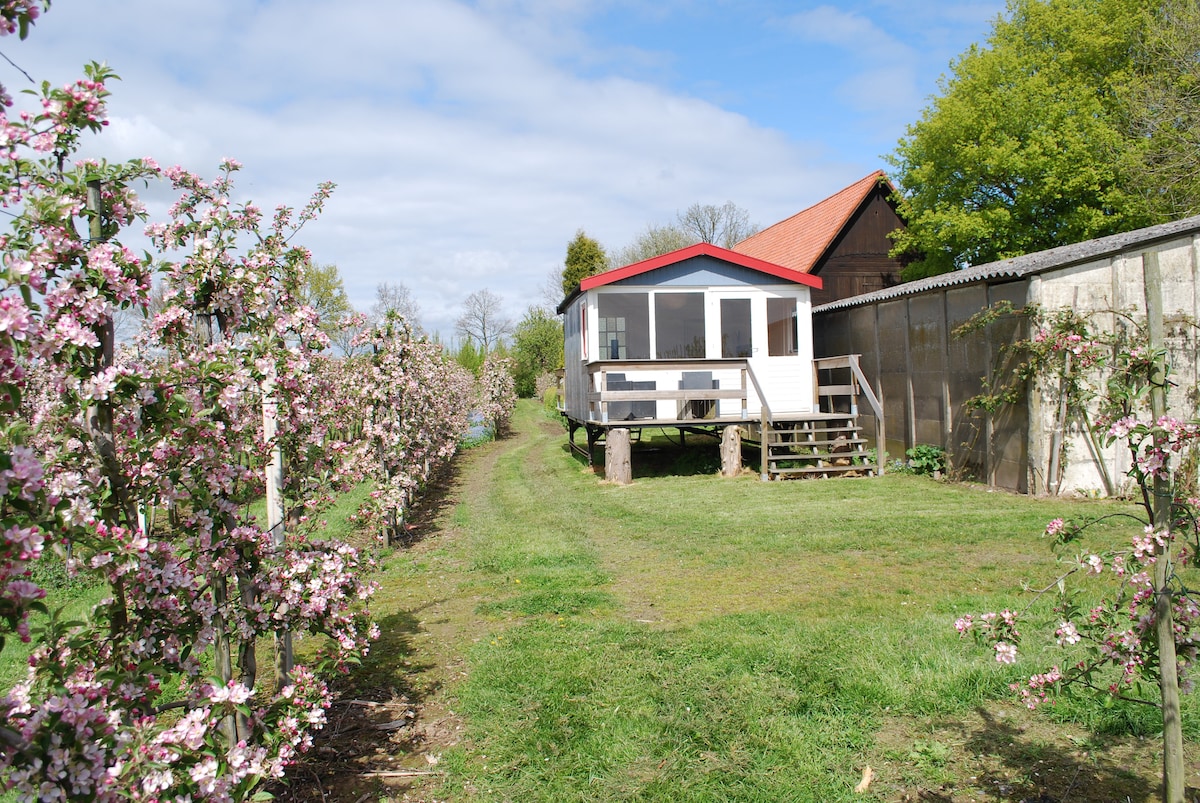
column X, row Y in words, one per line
column 470, row 140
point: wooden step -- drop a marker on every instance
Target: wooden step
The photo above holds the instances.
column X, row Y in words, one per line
column 850, row 438
column 865, row 467
column 832, row 442
column 826, row 456
column 814, row 455
column 775, row 434
column 823, row 456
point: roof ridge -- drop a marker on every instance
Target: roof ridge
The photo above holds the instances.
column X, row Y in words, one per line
column 799, row 241
column 875, row 175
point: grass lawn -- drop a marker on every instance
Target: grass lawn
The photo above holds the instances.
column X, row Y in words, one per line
column 555, row 638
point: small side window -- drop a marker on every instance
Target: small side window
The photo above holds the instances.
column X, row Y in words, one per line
column 782, row 338
column 583, row 332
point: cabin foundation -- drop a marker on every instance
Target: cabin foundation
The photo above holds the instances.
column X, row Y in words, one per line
column 731, row 451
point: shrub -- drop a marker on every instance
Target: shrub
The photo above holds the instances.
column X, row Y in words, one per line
column 925, row 458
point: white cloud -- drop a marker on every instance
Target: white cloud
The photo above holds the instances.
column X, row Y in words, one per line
column 881, row 74
column 466, row 153
column 847, row 29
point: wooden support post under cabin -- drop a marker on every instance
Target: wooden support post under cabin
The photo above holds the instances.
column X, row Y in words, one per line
column 731, row 451
column 617, row 463
column 764, row 430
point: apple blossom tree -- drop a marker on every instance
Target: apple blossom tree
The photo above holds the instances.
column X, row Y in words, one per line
column 1141, row 634
column 157, row 694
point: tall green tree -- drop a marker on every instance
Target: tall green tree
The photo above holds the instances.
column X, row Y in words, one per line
column 585, row 257
column 1023, row 149
column 537, row 348
column 322, row 289
column 1163, row 102
column 470, row 356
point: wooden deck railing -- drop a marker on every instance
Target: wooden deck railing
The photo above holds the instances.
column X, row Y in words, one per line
column 839, row 382
column 602, row 394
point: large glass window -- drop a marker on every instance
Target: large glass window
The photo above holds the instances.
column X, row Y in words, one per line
column 624, row 326
column 735, row 328
column 679, row 326
column 781, row 327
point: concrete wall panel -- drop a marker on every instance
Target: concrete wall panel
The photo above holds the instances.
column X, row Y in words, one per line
column 967, row 373
column 927, row 360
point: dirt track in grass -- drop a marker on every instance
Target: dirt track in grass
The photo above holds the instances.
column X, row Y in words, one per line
column 394, row 716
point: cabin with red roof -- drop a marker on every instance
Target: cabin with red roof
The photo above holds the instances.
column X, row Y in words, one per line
column 843, row 240
column 706, row 339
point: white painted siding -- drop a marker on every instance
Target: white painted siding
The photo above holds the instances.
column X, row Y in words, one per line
column 787, row 381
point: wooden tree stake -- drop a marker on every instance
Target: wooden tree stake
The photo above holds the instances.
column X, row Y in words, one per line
column 1174, row 776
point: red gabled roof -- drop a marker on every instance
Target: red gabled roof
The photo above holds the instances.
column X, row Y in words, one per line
column 800, row 241
column 700, row 249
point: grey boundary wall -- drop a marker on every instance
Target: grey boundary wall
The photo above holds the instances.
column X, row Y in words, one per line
column 924, row 375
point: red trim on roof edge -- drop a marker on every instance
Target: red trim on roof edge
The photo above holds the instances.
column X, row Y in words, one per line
column 701, row 249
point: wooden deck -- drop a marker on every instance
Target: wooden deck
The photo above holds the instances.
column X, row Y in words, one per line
column 824, row 441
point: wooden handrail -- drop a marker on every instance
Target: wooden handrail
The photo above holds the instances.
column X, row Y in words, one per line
column 859, row 385
column 599, row 395
column 865, row 387
column 876, row 408
column 767, row 415
column 653, row 395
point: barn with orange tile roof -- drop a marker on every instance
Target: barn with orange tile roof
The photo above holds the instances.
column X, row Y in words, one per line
column 842, row 239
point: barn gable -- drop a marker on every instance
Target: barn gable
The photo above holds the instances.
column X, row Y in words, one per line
column 842, row 239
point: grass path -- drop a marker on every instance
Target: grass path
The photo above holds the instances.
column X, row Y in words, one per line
column 550, row 637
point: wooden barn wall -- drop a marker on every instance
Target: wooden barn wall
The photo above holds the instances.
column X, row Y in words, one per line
column 925, row 376
column 926, row 366
column 967, row 361
column 858, row 262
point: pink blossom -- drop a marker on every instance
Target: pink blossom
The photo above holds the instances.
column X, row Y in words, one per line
column 15, row 318
column 1067, row 634
column 1122, row 427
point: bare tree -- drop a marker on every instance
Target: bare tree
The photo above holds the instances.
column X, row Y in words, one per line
column 482, row 320
column 399, row 299
column 346, row 333
column 654, row 241
column 725, row 225
column 551, row 290
column 127, row 323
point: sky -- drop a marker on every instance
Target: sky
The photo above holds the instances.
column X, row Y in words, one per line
column 469, row 141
